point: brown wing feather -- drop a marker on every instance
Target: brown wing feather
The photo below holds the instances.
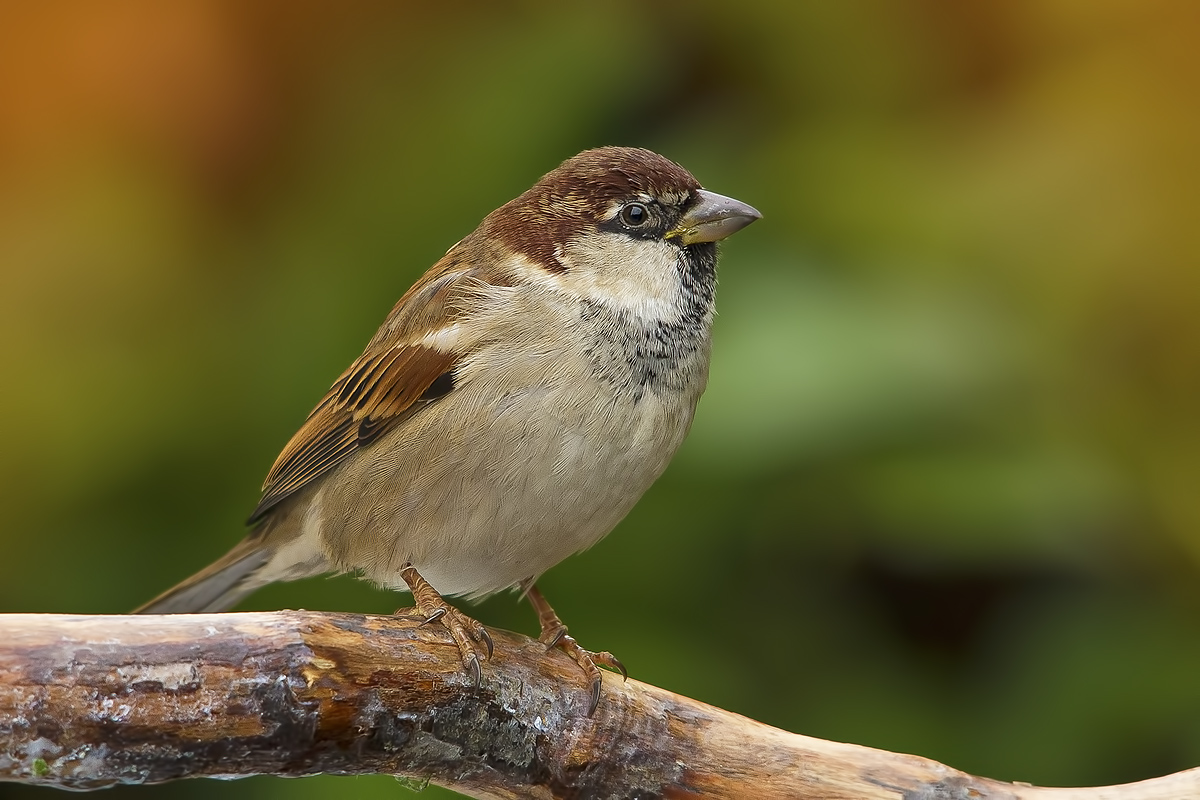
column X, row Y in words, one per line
column 379, row 390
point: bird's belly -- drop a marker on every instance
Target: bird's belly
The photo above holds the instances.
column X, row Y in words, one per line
column 536, row 479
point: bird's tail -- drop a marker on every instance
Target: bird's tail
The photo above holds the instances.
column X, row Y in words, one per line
column 219, row 586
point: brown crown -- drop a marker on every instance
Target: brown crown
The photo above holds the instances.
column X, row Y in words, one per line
column 571, row 198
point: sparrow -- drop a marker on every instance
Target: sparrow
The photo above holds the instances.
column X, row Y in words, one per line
column 513, row 407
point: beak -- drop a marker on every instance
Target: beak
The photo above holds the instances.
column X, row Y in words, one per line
column 712, row 218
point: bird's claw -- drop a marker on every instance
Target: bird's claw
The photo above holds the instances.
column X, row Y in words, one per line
column 437, row 614
column 554, row 636
column 588, row 661
column 467, row 633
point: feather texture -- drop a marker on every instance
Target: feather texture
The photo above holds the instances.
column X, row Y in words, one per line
column 516, row 402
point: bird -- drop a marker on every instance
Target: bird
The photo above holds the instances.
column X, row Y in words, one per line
column 512, row 408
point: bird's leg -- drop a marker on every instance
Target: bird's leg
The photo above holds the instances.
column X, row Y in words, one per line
column 554, row 634
column 466, row 632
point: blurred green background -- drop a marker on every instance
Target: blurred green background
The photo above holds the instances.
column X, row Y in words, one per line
column 943, row 494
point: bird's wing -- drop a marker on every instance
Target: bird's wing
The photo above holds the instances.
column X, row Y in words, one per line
column 408, row 365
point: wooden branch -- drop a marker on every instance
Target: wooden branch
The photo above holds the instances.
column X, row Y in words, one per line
column 87, row 702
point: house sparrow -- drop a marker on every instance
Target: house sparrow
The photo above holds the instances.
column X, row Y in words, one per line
column 514, row 406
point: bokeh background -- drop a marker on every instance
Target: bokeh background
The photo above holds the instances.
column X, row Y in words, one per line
column 943, row 494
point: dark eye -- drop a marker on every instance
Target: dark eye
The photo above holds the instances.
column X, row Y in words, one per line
column 635, row 215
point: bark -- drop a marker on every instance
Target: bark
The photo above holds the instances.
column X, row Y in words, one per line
column 88, row 702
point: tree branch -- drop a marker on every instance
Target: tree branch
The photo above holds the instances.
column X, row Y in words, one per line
column 87, row 702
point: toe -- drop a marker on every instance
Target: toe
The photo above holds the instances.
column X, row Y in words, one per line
column 609, row 661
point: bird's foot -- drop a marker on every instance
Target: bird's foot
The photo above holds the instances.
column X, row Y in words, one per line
column 554, row 635
column 473, row 640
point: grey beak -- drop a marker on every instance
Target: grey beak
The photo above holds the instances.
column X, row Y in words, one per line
column 712, row 218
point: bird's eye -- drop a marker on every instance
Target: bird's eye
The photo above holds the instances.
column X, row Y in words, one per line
column 634, row 215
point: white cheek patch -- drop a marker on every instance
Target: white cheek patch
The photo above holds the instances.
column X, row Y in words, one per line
column 641, row 276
